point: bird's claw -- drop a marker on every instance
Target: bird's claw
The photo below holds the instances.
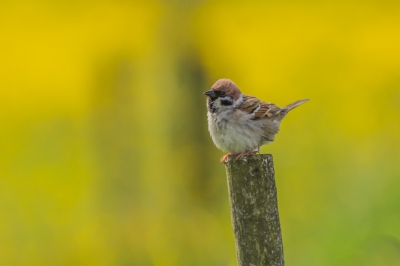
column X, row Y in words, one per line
column 225, row 157
column 238, row 156
column 241, row 155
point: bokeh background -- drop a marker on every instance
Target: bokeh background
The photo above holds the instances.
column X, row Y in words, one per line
column 105, row 158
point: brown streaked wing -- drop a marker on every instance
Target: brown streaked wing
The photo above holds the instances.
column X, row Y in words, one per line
column 251, row 103
column 267, row 110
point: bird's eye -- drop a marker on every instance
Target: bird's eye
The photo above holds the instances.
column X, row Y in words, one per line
column 222, row 93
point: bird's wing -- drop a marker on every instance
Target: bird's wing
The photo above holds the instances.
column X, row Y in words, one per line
column 260, row 109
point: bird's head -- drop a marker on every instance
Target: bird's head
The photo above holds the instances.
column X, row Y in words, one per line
column 225, row 94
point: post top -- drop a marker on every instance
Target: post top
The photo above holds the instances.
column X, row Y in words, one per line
column 249, row 158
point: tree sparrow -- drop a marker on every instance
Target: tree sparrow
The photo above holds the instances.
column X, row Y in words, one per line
column 240, row 123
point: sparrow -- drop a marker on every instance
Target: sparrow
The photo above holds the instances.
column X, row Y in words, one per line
column 240, row 123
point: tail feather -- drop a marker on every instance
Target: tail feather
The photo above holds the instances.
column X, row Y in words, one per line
column 294, row 105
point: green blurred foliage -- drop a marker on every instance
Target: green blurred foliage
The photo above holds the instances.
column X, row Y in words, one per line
column 105, row 157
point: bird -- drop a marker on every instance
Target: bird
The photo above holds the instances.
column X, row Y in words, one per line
column 239, row 123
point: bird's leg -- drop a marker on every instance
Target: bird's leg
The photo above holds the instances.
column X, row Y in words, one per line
column 240, row 155
column 225, row 157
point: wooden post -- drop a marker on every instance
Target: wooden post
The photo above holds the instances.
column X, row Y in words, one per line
column 254, row 210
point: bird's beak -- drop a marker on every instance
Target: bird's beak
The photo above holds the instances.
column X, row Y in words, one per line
column 211, row 94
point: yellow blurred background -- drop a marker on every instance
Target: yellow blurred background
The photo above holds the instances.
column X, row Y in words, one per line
column 105, row 157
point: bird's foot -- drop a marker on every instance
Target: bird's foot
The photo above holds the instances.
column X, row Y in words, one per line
column 241, row 155
column 225, row 157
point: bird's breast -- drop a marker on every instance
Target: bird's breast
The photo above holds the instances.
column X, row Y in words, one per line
column 235, row 131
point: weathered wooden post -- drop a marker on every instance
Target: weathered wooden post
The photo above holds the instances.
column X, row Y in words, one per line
column 254, row 210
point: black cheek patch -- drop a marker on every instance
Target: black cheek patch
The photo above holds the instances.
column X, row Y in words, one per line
column 226, row 102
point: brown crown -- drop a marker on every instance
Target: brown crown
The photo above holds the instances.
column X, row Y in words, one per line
column 227, row 86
